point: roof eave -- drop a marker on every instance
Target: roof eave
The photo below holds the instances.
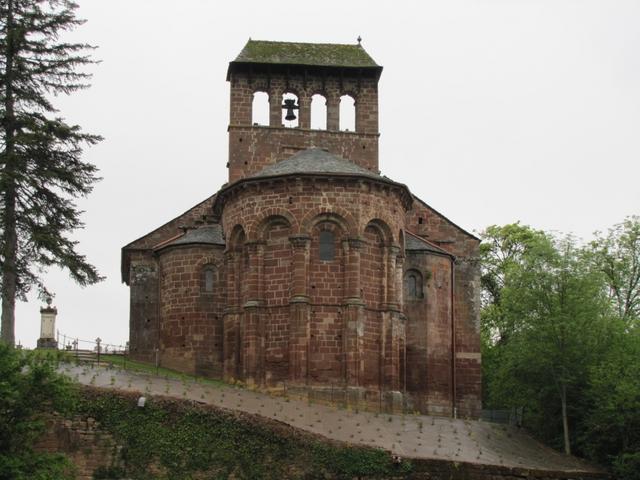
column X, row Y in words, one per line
column 222, row 192
column 376, row 70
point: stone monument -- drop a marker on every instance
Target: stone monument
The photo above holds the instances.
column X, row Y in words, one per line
column 48, row 326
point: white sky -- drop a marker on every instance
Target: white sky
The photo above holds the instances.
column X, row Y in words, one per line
column 490, row 111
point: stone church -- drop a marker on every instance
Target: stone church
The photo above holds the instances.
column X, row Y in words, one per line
column 308, row 268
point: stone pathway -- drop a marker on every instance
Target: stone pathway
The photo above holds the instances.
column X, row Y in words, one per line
column 413, row 436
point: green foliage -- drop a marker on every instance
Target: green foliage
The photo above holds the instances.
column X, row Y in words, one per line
column 612, row 424
column 627, row 466
column 618, row 256
column 29, row 387
column 560, row 338
column 41, row 170
column 183, row 441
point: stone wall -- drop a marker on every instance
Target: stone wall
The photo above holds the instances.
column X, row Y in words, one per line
column 190, row 338
column 83, row 442
column 347, row 326
column 252, row 148
column 429, row 326
column 434, row 227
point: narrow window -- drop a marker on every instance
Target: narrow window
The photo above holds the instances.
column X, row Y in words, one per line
column 413, row 293
column 327, row 245
column 413, row 285
column 318, row 112
column 260, row 109
column 290, row 107
column 208, row 278
column 347, row 113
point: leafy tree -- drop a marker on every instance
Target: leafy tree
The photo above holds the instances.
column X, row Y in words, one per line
column 41, row 171
column 612, row 424
column 618, row 256
column 29, row 386
column 553, row 326
column 503, row 249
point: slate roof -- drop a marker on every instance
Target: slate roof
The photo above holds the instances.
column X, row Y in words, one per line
column 316, row 160
column 316, row 54
column 205, row 234
column 415, row 243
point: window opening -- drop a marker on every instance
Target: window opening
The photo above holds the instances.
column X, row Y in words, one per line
column 327, row 245
column 413, row 285
column 289, row 110
column 347, row 113
column 318, row 112
column 209, row 279
column 260, row 109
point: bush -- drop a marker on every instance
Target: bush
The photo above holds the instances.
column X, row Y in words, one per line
column 29, row 388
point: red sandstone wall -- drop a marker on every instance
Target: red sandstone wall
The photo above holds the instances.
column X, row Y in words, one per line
column 191, row 318
column 144, row 301
column 284, row 217
column 251, row 149
column 429, row 326
column 430, row 224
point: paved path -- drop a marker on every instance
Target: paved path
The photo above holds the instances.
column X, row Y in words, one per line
column 414, row 436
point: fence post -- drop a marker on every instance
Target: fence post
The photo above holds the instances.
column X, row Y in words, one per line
column 98, row 340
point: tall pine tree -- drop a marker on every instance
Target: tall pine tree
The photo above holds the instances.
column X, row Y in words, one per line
column 41, row 171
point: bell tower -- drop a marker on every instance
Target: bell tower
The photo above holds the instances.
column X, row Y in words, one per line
column 293, row 79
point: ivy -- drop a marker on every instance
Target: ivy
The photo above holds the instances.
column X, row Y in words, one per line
column 172, row 439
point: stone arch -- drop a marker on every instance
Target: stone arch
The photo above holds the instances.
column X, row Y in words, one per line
column 237, row 238
column 384, row 229
column 209, row 259
column 373, row 264
column 255, row 229
column 337, row 215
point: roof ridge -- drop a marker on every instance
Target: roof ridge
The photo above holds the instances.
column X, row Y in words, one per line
column 306, row 43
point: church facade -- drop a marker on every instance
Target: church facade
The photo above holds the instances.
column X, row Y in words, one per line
column 308, row 268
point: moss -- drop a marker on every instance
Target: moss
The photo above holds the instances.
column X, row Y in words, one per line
column 174, row 439
column 321, row 54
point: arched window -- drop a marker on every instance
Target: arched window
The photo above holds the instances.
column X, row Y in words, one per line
column 290, row 116
column 347, row 113
column 413, row 285
column 208, row 278
column 327, row 245
column 318, row 112
column 260, row 108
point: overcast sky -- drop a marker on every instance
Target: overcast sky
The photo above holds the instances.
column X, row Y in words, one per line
column 490, row 111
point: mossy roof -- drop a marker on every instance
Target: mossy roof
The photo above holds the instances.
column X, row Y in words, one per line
column 316, row 54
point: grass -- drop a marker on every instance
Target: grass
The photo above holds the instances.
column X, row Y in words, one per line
column 119, row 361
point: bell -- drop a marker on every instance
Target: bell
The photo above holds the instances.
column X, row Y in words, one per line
column 290, row 105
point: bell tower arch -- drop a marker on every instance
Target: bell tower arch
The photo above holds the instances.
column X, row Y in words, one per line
column 291, row 74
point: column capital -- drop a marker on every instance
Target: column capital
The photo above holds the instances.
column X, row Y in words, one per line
column 354, row 243
column 394, row 250
column 299, row 241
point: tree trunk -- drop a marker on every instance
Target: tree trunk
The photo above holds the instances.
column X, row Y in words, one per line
column 10, row 238
column 565, row 421
column 9, row 276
